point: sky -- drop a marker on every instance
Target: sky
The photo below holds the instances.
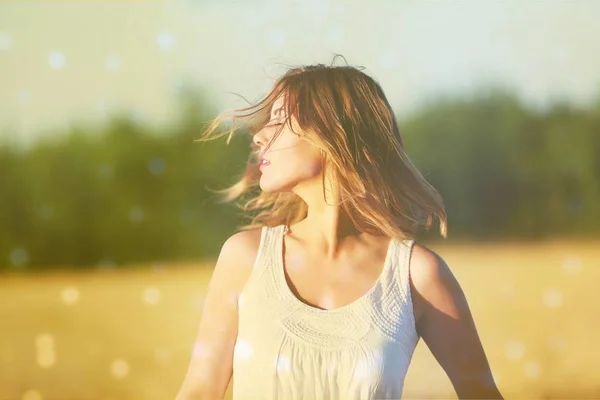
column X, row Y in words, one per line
column 78, row 61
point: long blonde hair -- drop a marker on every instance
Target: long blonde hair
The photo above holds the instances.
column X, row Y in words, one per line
column 345, row 113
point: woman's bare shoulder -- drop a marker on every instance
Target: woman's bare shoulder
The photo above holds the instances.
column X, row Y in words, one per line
column 235, row 263
column 241, row 248
column 428, row 270
column 432, row 280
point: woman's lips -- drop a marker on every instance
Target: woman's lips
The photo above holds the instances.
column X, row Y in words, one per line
column 264, row 163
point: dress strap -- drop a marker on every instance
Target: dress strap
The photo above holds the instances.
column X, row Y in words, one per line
column 267, row 249
column 404, row 257
column 402, row 273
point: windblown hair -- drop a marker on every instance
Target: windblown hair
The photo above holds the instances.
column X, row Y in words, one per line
column 345, row 113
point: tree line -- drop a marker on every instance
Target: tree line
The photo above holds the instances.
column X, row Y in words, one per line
column 127, row 192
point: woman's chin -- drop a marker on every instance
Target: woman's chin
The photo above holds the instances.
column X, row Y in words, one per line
column 268, row 188
column 272, row 187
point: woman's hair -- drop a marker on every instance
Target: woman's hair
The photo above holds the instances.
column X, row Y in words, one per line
column 343, row 112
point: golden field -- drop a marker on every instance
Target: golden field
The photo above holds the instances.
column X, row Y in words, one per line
column 127, row 334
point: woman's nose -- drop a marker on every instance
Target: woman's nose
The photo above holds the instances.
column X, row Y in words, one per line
column 259, row 138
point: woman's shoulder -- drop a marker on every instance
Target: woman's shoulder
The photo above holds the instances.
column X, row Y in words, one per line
column 235, row 261
column 427, row 268
column 242, row 245
column 432, row 280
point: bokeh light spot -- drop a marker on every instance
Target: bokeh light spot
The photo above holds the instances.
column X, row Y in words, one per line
column 232, row 300
column 557, row 343
column 19, row 257
column 572, row 265
column 138, row 116
column 515, row 350
column 201, row 351
column 327, row 301
column 198, row 302
column 163, row 356
column 23, row 97
column 6, row 41
column 177, row 85
column 136, row 214
column 32, row 394
column 362, row 368
column 70, row 295
column 553, row 298
column 151, row 296
column 57, row 60
column 283, row 363
column 243, row 349
column 46, row 212
column 367, row 362
column 158, row 267
column 44, row 340
column 157, row 166
column 105, row 170
column 346, row 273
column 532, row 369
column 113, row 62
column 507, row 288
column 46, row 358
column 107, row 264
column 45, row 354
column 165, row 40
column 119, row 368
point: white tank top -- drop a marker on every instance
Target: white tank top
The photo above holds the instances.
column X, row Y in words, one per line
column 288, row 350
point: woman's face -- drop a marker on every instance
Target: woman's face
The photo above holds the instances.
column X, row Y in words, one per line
column 290, row 160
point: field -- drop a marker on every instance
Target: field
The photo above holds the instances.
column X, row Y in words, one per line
column 127, row 334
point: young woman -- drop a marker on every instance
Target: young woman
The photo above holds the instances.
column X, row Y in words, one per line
column 325, row 294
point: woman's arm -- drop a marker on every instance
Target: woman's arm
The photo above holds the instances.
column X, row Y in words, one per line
column 445, row 323
column 211, row 365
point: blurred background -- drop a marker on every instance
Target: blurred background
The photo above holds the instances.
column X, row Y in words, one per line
column 109, row 231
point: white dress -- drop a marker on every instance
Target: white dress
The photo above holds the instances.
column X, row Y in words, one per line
column 288, row 350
